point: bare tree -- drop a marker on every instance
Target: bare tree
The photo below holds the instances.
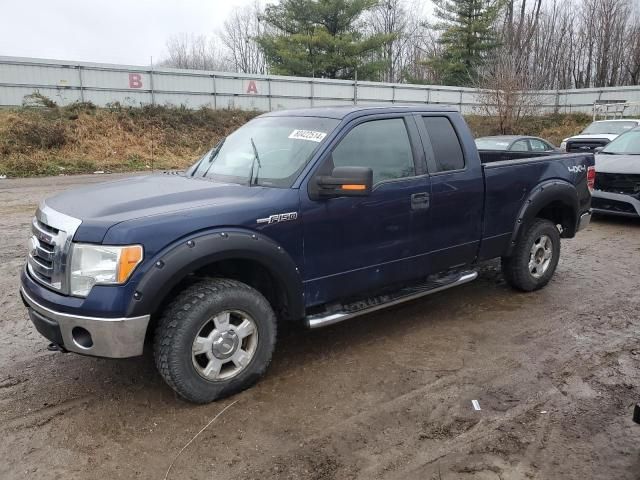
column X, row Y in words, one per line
column 398, row 19
column 413, row 40
column 632, row 55
column 509, row 91
column 576, row 43
column 425, row 47
column 239, row 34
column 194, row 52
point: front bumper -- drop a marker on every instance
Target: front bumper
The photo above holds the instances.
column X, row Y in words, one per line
column 96, row 336
column 615, row 204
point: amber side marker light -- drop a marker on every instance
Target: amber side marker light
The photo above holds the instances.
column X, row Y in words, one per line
column 130, row 257
column 354, row 187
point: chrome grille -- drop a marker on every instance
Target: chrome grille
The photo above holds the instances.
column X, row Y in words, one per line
column 49, row 247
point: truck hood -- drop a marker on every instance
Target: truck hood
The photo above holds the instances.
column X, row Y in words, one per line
column 628, row 164
column 101, row 206
column 608, row 136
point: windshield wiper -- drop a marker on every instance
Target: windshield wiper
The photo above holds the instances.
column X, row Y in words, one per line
column 213, row 155
column 256, row 158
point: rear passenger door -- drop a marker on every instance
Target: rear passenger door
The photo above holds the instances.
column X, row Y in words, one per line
column 457, row 192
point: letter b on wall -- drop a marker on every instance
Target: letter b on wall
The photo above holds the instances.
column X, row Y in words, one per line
column 135, row 80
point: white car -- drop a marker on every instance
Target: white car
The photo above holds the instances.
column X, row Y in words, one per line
column 617, row 185
column 598, row 134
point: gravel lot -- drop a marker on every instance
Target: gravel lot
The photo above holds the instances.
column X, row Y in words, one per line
column 556, row 373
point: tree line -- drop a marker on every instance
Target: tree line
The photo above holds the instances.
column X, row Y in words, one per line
column 513, row 44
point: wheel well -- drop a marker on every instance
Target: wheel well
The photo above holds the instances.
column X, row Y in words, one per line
column 254, row 274
column 251, row 272
column 562, row 214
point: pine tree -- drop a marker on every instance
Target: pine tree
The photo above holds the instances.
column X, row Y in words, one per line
column 321, row 38
column 468, row 37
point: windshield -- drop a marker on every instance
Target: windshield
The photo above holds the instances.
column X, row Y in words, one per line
column 492, row 144
column 627, row 144
column 613, row 128
column 268, row 151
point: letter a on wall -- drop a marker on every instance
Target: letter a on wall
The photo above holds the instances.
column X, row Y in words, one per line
column 252, row 88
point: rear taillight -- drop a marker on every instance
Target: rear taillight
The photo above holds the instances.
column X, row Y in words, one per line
column 591, row 178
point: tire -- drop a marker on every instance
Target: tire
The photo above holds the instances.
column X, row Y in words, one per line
column 199, row 355
column 517, row 269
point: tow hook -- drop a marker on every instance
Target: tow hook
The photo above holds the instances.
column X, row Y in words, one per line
column 54, row 347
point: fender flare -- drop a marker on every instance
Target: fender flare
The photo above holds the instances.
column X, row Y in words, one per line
column 174, row 263
column 541, row 196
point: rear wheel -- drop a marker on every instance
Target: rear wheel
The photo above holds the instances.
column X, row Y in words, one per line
column 214, row 339
column 535, row 257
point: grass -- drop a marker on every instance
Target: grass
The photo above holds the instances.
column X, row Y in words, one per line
column 81, row 138
column 46, row 139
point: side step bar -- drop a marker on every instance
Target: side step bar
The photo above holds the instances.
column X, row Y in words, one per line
column 344, row 312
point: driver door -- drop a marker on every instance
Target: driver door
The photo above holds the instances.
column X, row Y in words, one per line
column 358, row 244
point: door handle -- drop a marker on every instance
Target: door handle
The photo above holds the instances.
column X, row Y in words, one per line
column 420, row 201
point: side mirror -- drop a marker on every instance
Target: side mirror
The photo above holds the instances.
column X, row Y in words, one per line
column 343, row 182
column 598, row 149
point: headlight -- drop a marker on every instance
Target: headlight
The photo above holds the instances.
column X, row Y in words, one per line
column 101, row 265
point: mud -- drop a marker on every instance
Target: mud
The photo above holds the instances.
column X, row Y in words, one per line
column 556, row 373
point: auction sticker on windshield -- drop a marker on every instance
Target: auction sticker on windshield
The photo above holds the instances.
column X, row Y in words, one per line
column 309, row 135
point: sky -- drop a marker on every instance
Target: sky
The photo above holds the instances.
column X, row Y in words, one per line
column 105, row 31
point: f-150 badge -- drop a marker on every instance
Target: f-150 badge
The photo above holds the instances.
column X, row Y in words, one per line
column 278, row 217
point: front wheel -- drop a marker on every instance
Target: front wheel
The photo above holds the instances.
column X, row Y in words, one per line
column 214, row 339
column 535, row 257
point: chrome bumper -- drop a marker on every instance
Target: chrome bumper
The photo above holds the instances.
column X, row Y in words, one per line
column 585, row 220
column 100, row 337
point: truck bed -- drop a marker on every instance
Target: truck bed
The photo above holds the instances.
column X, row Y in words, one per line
column 508, row 183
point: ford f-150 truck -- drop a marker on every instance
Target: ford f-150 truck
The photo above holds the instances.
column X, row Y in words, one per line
column 312, row 216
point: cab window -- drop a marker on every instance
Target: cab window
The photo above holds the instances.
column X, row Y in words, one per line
column 445, row 144
column 383, row 145
column 520, row 146
column 538, row 145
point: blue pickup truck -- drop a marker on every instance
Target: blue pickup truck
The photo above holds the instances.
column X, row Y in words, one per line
column 312, row 216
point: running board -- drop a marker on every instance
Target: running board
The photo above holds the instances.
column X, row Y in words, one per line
column 371, row 304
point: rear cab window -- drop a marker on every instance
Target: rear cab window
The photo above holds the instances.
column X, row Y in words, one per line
column 445, row 144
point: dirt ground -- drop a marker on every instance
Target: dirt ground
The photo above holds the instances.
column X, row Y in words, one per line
column 388, row 395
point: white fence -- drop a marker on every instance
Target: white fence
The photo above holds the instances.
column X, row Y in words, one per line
column 67, row 82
